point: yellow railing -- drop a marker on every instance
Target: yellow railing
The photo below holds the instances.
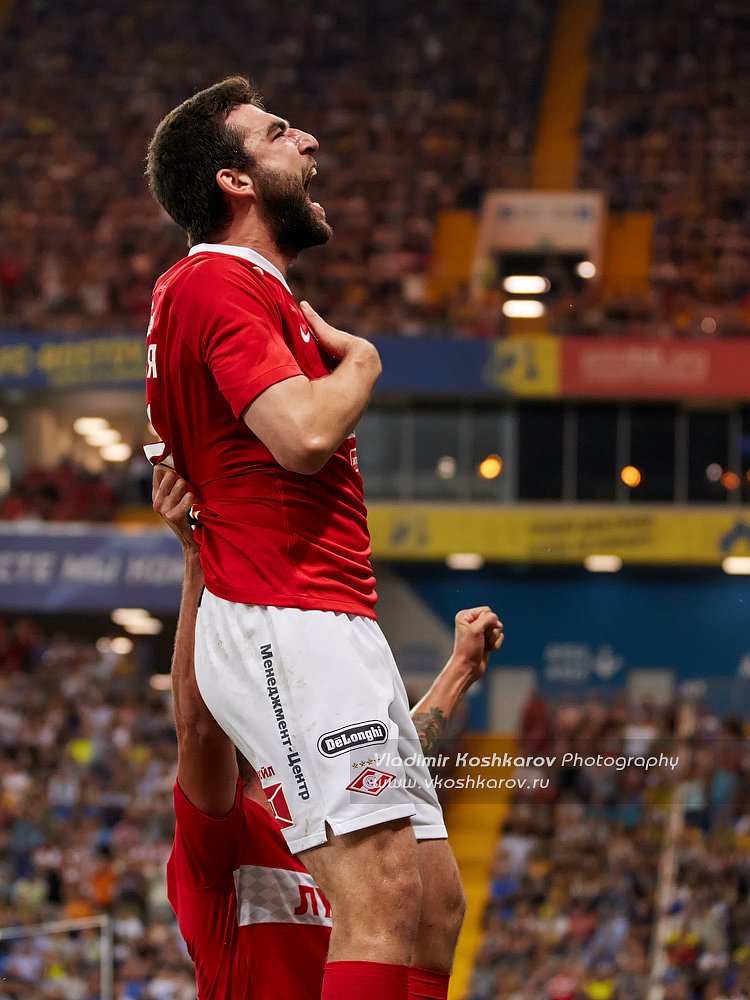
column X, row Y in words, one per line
column 473, row 829
column 555, row 164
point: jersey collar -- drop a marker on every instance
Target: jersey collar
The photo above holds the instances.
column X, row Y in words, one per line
column 252, row 255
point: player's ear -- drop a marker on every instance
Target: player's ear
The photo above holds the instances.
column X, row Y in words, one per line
column 235, row 182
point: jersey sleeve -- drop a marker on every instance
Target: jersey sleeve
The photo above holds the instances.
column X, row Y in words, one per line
column 206, row 848
column 239, row 334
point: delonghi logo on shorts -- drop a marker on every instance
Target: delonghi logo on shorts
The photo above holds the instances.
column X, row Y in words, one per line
column 352, row 738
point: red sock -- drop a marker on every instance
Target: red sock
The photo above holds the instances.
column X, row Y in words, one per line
column 426, row 984
column 365, row 981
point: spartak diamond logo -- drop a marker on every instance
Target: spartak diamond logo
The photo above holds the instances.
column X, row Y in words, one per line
column 371, row 781
column 277, row 800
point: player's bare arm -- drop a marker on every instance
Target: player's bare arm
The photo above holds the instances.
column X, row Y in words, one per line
column 303, row 422
column 207, row 766
column 478, row 632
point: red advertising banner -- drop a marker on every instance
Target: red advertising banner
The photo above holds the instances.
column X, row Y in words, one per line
column 608, row 367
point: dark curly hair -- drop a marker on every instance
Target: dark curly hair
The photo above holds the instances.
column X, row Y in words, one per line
column 189, row 146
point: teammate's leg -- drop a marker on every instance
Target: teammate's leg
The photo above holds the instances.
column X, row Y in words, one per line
column 372, row 881
column 440, row 919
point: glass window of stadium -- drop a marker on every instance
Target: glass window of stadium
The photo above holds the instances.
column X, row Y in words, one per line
column 540, row 452
column 708, row 456
column 434, row 452
column 440, row 456
column 652, row 452
column 380, row 453
column 493, row 454
column 596, row 448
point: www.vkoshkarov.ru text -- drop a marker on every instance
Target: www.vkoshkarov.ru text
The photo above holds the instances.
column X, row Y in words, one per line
column 471, row 781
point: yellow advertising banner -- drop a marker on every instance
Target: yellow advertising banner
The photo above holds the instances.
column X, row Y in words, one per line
column 524, row 367
column 61, row 362
column 92, row 361
column 533, row 534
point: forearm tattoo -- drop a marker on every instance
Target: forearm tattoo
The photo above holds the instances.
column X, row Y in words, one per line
column 430, row 728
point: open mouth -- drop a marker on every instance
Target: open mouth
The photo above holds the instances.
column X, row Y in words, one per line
column 309, row 179
column 316, row 206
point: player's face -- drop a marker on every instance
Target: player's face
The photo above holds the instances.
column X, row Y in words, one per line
column 285, row 169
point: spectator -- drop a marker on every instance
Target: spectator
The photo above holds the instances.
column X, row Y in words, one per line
column 572, row 901
column 664, row 131
column 449, row 112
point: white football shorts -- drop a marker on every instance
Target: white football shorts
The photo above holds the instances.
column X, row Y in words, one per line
column 315, row 702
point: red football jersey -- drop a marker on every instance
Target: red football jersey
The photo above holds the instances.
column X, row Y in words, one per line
column 224, row 327
column 254, row 921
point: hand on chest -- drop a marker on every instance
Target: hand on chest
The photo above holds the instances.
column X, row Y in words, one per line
column 303, row 345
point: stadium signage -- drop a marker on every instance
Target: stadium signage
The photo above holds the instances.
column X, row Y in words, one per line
column 88, row 569
column 94, row 569
column 621, row 368
column 536, row 366
column 534, row 222
column 538, row 534
column 29, row 362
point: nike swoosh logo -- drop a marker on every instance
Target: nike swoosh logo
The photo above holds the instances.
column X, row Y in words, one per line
column 305, row 335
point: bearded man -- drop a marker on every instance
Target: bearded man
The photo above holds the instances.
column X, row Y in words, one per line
column 256, row 400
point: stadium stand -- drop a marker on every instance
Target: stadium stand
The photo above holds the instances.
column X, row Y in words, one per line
column 573, row 904
column 418, row 112
column 88, row 759
column 64, row 493
column 664, row 132
column 572, row 911
column 452, row 112
column 87, row 763
column 449, row 112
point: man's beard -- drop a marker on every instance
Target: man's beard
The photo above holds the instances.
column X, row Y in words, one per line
column 287, row 210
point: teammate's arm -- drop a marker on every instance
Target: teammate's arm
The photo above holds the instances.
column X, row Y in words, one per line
column 479, row 632
column 303, row 422
column 207, row 766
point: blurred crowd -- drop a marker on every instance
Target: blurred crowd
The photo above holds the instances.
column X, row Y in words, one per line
column 87, row 763
column 450, row 111
column 88, row 759
column 573, row 905
column 66, row 492
column 665, row 131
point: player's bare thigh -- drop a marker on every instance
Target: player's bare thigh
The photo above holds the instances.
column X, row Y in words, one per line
column 371, row 879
